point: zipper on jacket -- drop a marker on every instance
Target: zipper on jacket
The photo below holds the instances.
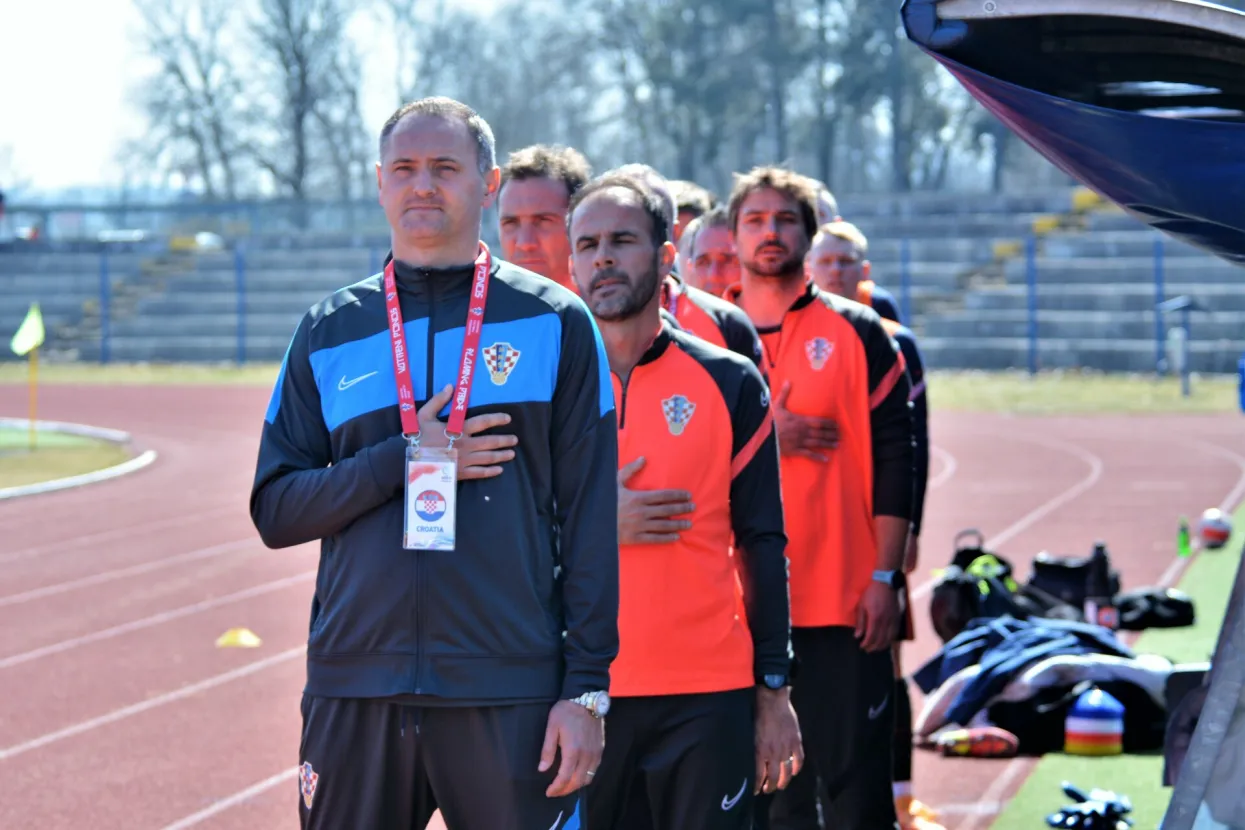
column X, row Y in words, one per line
column 626, row 385
column 622, row 404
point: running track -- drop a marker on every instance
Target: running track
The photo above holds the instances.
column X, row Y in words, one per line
column 119, row 712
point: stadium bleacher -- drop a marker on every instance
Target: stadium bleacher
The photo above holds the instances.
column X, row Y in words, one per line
column 1096, row 281
column 963, row 255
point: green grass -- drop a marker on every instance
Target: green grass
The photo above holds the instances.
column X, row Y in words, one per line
column 1049, row 393
column 1068, row 393
column 1208, row 581
column 55, row 456
column 13, row 439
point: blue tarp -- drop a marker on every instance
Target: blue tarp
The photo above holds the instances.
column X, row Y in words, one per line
column 1182, row 176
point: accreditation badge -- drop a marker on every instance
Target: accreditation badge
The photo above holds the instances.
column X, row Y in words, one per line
column 431, row 498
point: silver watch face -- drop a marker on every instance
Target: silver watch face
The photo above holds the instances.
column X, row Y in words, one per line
column 601, row 705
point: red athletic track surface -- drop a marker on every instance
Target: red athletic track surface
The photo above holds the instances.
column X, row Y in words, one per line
column 118, row 711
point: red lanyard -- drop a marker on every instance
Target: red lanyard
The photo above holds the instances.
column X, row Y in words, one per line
column 466, row 366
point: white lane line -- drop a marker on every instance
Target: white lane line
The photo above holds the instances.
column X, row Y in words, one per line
column 154, row 619
column 125, row 532
column 121, row 573
column 237, row 798
column 1096, row 467
column 1177, row 567
column 151, row 703
column 1234, row 496
column 994, row 794
column 986, row 808
column 949, row 466
column 95, row 477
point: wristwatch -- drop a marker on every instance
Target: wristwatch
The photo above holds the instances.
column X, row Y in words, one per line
column 774, row 682
column 891, row 579
column 598, row 703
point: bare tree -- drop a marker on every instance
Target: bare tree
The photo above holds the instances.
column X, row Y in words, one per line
column 528, row 68
column 192, row 102
column 300, row 55
column 401, row 19
column 342, row 135
column 272, row 89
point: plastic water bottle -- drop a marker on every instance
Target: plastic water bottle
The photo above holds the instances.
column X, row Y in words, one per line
column 1184, row 546
column 1095, row 725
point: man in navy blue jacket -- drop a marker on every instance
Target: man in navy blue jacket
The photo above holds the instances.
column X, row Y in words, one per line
column 472, row 680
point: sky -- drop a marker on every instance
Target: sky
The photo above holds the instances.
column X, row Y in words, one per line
column 90, row 71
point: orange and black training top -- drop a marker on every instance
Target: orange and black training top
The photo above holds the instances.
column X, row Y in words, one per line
column 710, row 318
column 841, row 365
column 692, row 618
column 906, row 341
column 877, row 298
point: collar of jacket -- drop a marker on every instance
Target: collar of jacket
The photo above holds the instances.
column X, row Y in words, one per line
column 433, row 283
column 659, row 345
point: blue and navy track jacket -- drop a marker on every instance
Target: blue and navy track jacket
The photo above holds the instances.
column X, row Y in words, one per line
column 526, row 607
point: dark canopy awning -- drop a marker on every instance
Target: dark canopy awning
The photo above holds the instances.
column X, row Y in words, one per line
column 1140, row 100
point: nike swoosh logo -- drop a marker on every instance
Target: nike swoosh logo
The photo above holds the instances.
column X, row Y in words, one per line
column 728, row 803
column 344, row 384
column 557, row 821
column 874, row 711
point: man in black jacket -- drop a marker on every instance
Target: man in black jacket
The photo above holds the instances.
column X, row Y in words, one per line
column 470, row 679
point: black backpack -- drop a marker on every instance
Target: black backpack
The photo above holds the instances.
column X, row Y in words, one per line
column 970, row 589
column 1064, row 577
column 976, row 588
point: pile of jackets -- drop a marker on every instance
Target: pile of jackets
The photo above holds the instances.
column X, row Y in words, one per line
column 1024, row 675
column 1017, row 655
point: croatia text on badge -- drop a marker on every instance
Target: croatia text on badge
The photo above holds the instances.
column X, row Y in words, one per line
column 431, row 490
column 308, row 779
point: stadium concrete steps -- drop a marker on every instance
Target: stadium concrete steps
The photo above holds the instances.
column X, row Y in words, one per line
column 67, row 286
column 168, row 327
column 970, row 226
column 1096, row 290
column 343, row 260
column 1079, row 324
column 187, row 349
column 197, row 312
column 1125, row 244
column 1123, row 297
column 1115, row 269
column 942, row 203
column 997, row 353
column 950, row 251
column 1114, row 220
column 1096, row 297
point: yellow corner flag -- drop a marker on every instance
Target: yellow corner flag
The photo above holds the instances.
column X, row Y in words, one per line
column 26, row 341
column 30, row 334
